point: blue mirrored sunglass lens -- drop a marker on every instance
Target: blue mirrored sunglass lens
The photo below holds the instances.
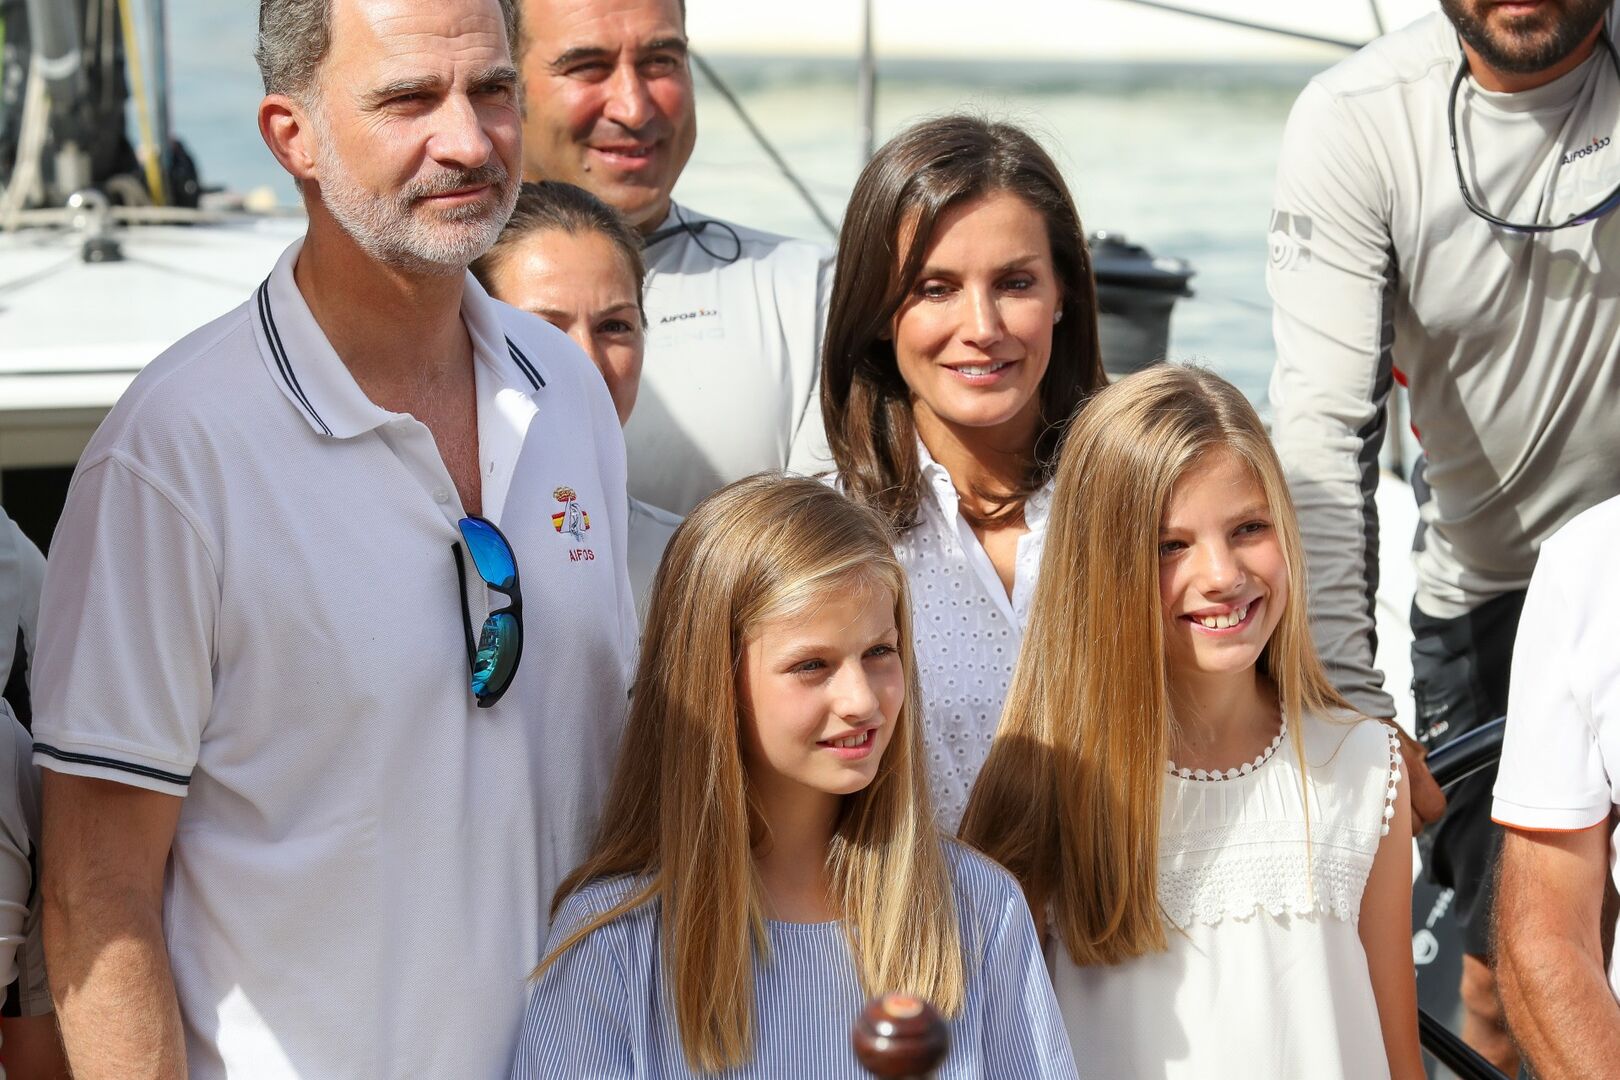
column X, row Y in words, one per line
column 489, row 552
column 496, row 655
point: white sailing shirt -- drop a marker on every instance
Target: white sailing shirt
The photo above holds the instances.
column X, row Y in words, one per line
column 731, row 381
column 1509, row 343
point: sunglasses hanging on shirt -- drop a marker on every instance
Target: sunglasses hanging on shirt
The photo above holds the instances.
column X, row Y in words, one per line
column 494, row 658
column 1609, row 202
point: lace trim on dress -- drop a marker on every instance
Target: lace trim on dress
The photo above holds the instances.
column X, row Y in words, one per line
column 1394, row 779
column 1275, row 843
column 1273, row 882
column 1231, row 774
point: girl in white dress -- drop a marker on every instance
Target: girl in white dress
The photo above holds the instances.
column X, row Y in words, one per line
column 961, row 338
column 1202, row 823
column 768, row 858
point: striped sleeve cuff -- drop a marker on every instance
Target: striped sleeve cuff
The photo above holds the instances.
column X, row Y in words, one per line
column 1547, row 818
column 120, row 767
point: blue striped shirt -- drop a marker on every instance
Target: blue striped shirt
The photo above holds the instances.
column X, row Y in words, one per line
column 603, row 1009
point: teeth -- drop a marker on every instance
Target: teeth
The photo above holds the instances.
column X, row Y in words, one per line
column 985, row 369
column 1221, row 622
column 852, row 740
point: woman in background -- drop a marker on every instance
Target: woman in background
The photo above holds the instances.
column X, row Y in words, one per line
column 962, row 337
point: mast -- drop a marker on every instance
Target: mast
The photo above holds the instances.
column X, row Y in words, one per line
column 866, row 99
column 145, row 113
column 70, row 128
column 162, row 120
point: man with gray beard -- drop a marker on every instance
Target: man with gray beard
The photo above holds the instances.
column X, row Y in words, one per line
column 1494, row 305
column 306, row 804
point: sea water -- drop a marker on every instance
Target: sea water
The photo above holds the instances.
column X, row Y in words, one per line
column 1177, row 157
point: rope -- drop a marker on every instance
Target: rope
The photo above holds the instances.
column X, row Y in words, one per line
column 31, row 135
column 158, row 215
column 1228, row 20
column 765, row 144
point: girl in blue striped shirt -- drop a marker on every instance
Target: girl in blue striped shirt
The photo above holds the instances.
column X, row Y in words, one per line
column 768, row 858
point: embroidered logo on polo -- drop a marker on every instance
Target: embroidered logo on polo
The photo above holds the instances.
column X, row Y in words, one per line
column 572, row 520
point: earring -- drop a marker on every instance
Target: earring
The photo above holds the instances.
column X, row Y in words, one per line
column 1057, row 316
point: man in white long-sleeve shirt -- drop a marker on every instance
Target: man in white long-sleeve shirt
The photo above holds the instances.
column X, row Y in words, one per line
column 1504, row 332
column 734, row 315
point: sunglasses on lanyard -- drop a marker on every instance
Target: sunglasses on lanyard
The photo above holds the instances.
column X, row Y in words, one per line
column 1611, row 201
column 494, row 659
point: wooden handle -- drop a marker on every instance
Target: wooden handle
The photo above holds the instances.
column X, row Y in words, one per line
column 900, row 1037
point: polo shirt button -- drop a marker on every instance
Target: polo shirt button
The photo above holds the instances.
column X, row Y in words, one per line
column 441, row 496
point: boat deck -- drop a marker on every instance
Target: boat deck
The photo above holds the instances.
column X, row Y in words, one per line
column 73, row 334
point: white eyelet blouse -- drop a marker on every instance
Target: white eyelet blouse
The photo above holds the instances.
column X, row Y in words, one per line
column 966, row 630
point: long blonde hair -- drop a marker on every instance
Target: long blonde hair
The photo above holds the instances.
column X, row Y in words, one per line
column 1069, row 798
column 679, row 812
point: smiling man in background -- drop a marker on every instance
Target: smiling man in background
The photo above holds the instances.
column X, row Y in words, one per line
column 293, row 828
column 1496, row 309
column 734, row 315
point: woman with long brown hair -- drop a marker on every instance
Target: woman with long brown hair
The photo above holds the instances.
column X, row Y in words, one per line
column 768, row 857
column 961, row 338
column 1202, row 823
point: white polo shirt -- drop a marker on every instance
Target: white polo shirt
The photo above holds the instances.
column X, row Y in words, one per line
column 253, row 602
column 1560, row 768
column 731, row 381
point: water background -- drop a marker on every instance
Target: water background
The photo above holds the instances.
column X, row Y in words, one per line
column 1179, row 157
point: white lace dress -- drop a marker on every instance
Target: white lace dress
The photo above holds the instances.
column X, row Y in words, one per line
column 1265, row 975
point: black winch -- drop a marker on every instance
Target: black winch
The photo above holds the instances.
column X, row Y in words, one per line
column 1136, row 291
